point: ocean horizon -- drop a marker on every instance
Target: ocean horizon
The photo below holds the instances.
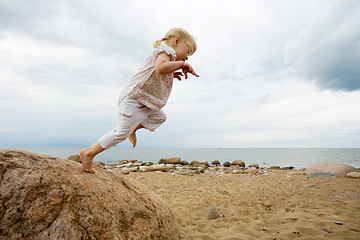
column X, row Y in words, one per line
column 266, row 157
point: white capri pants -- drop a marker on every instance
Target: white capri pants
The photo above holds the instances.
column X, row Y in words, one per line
column 131, row 113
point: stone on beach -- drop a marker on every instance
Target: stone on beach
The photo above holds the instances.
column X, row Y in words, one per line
column 204, row 163
column 216, row 162
column 353, row 175
column 227, row 164
column 338, row 169
column 255, row 165
column 251, row 171
column 44, row 197
column 183, row 162
column 170, row 160
column 239, row 163
column 195, row 163
column 274, row 167
column 185, row 171
column 212, row 213
column 157, row 167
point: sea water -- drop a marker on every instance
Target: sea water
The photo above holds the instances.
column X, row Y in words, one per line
column 283, row 157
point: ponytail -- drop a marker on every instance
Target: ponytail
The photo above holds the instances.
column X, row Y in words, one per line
column 158, row 43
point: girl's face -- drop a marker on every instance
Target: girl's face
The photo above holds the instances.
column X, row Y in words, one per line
column 182, row 51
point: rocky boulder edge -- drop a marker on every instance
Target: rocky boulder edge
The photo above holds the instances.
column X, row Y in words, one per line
column 338, row 169
column 43, row 197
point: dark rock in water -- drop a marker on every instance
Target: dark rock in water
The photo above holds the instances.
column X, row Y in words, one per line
column 227, row 164
column 75, row 158
column 212, row 213
column 44, row 197
column 318, row 174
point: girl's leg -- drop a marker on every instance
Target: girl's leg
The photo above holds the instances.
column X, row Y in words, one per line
column 132, row 136
column 151, row 122
column 154, row 120
column 87, row 155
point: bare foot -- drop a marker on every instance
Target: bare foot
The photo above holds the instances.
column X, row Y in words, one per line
column 132, row 138
column 86, row 162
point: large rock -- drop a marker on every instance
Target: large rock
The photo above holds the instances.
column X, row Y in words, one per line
column 338, row 169
column 43, row 197
column 239, row 163
column 170, row 161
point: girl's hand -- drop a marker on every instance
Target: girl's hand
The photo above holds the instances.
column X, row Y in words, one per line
column 187, row 68
column 178, row 75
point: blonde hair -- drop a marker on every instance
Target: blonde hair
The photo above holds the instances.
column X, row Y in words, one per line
column 184, row 36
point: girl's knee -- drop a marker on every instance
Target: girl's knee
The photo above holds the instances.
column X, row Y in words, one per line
column 163, row 118
column 160, row 117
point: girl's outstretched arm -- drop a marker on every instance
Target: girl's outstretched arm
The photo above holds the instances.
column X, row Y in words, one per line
column 163, row 65
column 187, row 68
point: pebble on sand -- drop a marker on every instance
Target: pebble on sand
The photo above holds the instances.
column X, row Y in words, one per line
column 212, row 213
column 353, row 175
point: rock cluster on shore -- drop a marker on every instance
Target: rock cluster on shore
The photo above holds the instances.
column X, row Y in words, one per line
column 179, row 166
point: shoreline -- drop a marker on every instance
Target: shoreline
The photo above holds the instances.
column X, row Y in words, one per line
column 265, row 157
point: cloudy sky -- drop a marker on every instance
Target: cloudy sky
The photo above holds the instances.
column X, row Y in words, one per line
column 272, row 73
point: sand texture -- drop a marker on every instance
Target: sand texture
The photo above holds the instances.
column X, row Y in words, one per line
column 281, row 205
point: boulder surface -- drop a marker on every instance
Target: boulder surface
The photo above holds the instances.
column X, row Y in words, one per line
column 44, row 197
column 170, row 161
column 338, row 169
column 239, row 163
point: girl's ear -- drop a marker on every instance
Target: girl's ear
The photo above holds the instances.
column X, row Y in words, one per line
column 177, row 40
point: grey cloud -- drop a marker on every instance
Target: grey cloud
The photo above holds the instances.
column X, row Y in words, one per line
column 328, row 51
column 63, row 63
column 61, row 44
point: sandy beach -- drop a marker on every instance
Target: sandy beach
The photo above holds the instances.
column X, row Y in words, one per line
column 282, row 204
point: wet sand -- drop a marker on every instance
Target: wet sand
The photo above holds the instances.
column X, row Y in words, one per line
column 281, row 205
